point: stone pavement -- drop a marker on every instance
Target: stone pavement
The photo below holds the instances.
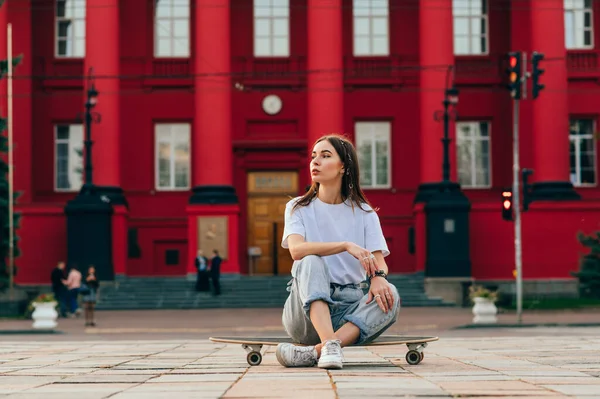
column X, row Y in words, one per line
column 536, row 363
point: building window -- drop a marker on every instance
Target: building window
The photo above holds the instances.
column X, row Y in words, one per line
column 172, row 156
column 373, row 145
column 68, row 157
column 70, row 28
column 582, row 152
column 473, row 154
column 470, row 27
column 371, row 27
column 172, row 28
column 271, row 28
column 578, row 24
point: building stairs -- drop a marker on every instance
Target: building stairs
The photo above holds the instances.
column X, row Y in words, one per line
column 236, row 292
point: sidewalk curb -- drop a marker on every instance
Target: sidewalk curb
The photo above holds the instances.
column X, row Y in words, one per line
column 516, row 325
column 30, row 332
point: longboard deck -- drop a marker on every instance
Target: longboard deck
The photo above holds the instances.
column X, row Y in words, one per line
column 383, row 340
column 253, row 345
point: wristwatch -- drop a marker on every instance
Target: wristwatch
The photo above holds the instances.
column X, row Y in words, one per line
column 378, row 273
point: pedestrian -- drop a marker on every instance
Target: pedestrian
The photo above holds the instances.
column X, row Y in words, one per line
column 90, row 296
column 73, row 284
column 57, row 278
column 202, row 279
column 215, row 272
column 335, row 238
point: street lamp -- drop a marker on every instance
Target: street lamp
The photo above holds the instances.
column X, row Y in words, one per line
column 90, row 116
column 450, row 99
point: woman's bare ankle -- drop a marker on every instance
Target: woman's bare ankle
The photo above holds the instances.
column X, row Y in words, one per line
column 318, row 349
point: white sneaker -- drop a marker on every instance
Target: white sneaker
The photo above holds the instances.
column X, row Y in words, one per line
column 331, row 355
column 290, row 355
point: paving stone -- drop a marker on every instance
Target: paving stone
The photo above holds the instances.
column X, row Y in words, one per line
column 195, row 378
column 28, row 380
column 176, row 394
column 247, row 390
column 51, row 370
column 59, row 395
column 204, row 386
column 106, row 389
column 576, row 389
column 114, row 371
column 206, row 370
column 106, row 378
column 544, row 373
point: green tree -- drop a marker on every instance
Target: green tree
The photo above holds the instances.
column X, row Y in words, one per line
column 4, row 217
column 589, row 267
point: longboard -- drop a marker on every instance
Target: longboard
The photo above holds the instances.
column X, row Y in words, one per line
column 253, row 345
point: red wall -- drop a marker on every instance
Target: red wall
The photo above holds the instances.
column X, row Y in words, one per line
column 279, row 142
column 42, row 242
column 550, row 248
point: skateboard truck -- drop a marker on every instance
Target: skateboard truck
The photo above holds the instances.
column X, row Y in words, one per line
column 254, row 356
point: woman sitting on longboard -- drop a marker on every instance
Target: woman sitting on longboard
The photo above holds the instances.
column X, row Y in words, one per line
column 335, row 238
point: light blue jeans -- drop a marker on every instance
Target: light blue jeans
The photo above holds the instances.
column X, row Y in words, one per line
column 311, row 282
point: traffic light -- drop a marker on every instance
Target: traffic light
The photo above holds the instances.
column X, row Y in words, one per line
column 514, row 71
column 507, row 205
column 536, row 72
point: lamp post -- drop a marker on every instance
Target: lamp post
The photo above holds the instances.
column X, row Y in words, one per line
column 90, row 117
column 450, row 100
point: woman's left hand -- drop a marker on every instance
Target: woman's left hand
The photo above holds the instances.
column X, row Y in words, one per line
column 381, row 291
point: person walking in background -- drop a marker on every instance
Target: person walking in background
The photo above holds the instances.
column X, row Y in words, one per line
column 202, row 280
column 90, row 296
column 73, row 284
column 57, row 277
column 215, row 272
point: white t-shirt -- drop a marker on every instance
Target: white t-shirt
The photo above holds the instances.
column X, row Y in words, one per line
column 322, row 222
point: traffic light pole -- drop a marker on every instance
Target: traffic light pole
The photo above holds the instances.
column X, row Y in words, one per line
column 517, row 210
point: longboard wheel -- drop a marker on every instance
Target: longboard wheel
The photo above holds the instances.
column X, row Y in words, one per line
column 254, row 358
column 413, row 357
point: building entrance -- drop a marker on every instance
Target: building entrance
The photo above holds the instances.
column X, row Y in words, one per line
column 268, row 192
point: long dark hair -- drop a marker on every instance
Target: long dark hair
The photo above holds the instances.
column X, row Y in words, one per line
column 350, row 179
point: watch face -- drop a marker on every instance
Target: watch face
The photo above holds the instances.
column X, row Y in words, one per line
column 272, row 104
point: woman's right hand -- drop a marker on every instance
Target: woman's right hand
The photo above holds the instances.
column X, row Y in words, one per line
column 366, row 259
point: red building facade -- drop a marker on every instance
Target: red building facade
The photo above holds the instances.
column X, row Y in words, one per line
column 202, row 93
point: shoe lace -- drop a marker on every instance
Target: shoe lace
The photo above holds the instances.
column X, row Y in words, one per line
column 304, row 353
column 332, row 348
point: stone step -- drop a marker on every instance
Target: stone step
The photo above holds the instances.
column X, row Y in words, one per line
column 237, row 292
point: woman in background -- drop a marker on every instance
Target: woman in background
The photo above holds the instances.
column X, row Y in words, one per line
column 89, row 299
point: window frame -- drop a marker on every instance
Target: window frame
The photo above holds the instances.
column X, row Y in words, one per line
column 473, row 166
column 486, row 22
column 172, row 187
column 575, row 28
column 371, row 34
column 172, row 38
column 56, row 30
column 271, row 37
column 55, row 157
column 578, row 183
column 374, row 185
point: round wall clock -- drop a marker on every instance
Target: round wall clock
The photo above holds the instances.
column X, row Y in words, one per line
column 272, row 104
